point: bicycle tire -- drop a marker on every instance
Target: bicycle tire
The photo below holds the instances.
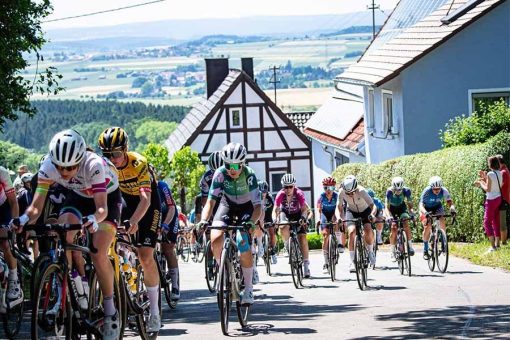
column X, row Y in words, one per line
column 441, row 251
column 40, row 264
column 163, row 272
column 359, row 262
column 13, row 316
column 293, row 259
column 224, row 292
column 183, row 248
column 400, row 252
column 142, row 298
column 432, row 258
column 40, row 325
column 242, row 314
column 332, row 256
column 407, row 257
column 267, row 253
column 200, row 251
column 211, row 276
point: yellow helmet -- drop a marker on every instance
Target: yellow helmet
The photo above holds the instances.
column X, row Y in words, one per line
column 114, row 138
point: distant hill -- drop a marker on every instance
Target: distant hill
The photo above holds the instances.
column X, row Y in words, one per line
column 195, row 28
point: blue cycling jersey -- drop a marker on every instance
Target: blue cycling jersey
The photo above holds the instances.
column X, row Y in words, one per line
column 165, row 197
column 379, row 204
column 432, row 201
column 328, row 206
column 397, row 200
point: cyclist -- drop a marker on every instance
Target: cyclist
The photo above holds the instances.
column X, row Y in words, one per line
column 326, row 205
column 234, row 187
column 214, row 161
column 93, row 193
column 431, row 203
column 268, row 204
column 358, row 204
column 24, row 197
column 9, row 209
column 399, row 204
column 290, row 205
column 378, row 212
column 139, row 191
column 170, row 230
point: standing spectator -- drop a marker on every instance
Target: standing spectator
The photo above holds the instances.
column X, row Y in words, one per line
column 18, row 184
column 490, row 182
column 505, row 192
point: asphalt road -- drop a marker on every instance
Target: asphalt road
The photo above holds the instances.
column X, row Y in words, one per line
column 468, row 301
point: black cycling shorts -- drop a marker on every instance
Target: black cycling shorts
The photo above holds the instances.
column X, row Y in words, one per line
column 5, row 213
column 229, row 213
column 293, row 217
column 397, row 211
column 149, row 225
column 350, row 215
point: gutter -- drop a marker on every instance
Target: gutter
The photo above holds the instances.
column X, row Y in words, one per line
column 356, row 152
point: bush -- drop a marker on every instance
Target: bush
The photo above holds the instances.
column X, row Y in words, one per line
column 458, row 167
column 314, row 241
column 489, row 120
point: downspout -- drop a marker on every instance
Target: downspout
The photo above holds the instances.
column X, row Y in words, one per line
column 332, row 157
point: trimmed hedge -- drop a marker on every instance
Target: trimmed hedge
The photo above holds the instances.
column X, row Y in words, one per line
column 457, row 166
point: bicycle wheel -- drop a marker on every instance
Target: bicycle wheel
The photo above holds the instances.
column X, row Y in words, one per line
column 200, row 254
column 14, row 315
column 359, row 262
column 332, row 256
column 267, row 253
column 211, row 268
column 183, row 248
column 432, row 258
column 164, row 277
column 40, row 264
column 225, row 291
column 441, row 252
column 50, row 317
column 294, row 263
column 399, row 252
column 406, row 257
column 142, row 299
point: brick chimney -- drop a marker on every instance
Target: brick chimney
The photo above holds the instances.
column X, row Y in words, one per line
column 216, row 70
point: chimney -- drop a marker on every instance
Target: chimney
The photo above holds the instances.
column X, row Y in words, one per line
column 247, row 66
column 216, row 70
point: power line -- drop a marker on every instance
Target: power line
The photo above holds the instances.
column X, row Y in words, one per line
column 105, row 11
column 274, row 80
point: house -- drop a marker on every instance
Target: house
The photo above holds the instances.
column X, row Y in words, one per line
column 433, row 60
column 237, row 110
column 336, row 131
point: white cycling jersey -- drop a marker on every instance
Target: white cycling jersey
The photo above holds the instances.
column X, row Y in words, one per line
column 359, row 201
column 6, row 186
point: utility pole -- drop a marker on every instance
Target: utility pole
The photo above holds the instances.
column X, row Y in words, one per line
column 274, row 81
column 373, row 7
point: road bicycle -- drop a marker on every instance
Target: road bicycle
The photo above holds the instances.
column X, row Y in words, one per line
column 361, row 261
column 333, row 254
column 182, row 244
column 268, row 249
column 230, row 277
column 199, row 250
column 438, row 253
column 295, row 253
column 402, row 254
column 164, row 272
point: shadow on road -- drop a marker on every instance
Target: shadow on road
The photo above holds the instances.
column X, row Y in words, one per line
column 267, row 329
column 486, row 321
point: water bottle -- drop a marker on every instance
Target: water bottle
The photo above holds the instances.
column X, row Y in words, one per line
column 242, row 241
column 78, row 284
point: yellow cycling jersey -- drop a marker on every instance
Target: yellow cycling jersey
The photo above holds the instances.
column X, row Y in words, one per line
column 135, row 176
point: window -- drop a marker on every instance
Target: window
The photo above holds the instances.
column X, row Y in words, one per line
column 480, row 98
column 340, row 159
column 236, row 118
column 276, row 178
column 371, row 108
column 387, row 98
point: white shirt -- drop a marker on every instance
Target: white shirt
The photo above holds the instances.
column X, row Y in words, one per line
column 493, row 191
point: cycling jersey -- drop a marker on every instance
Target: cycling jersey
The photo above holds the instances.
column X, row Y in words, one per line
column 397, row 200
column 358, row 202
column 432, row 201
column 6, row 186
column 205, row 182
column 95, row 174
column 134, row 177
column 165, row 196
column 241, row 190
column 379, row 205
column 327, row 206
column 268, row 208
column 292, row 207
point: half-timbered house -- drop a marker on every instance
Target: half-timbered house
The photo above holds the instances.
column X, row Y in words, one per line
column 237, row 110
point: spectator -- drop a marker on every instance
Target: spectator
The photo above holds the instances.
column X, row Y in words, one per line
column 490, row 182
column 22, row 169
column 505, row 193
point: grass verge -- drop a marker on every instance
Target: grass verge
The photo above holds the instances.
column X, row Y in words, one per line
column 477, row 253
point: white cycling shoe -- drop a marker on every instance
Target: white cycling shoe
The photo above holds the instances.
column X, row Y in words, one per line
column 247, row 298
column 154, row 323
column 371, row 258
column 111, row 327
column 255, row 278
column 352, row 268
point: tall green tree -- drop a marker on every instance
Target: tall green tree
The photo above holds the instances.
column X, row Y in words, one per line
column 20, row 36
column 153, row 131
column 185, row 172
column 157, row 155
column 12, row 156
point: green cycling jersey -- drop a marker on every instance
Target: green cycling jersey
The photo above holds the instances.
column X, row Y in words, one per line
column 239, row 190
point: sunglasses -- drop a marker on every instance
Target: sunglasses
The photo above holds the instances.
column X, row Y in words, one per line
column 288, row 187
column 66, row 168
column 113, row 154
column 332, row 188
column 233, row 166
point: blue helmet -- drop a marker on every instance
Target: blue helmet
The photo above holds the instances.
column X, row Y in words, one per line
column 371, row 192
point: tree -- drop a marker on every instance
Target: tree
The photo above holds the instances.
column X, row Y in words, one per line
column 153, row 131
column 147, row 89
column 157, row 155
column 185, row 171
column 12, row 156
column 20, row 36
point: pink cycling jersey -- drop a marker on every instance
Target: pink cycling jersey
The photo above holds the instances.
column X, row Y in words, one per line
column 294, row 205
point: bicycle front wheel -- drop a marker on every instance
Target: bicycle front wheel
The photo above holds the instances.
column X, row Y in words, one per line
column 51, row 318
column 211, row 268
column 406, row 257
column 294, row 263
column 359, row 262
column 225, row 291
column 332, row 256
column 441, row 252
column 267, row 253
column 432, row 256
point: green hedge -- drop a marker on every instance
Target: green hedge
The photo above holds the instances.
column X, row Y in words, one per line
column 457, row 166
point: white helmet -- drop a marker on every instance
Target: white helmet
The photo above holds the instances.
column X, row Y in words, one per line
column 233, row 153
column 26, row 177
column 67, row 148
column 435, row 182
column 215, row 160
column 350, row 183
column 288, row 179
column 397, row 183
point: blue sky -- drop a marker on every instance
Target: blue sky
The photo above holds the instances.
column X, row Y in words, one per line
column 192, row 9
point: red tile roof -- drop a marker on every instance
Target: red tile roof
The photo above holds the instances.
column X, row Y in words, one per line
column 350, row 142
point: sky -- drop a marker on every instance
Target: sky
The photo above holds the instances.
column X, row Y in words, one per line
column 195, row 9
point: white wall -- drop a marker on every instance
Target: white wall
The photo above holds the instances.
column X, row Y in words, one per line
column 321, row 167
